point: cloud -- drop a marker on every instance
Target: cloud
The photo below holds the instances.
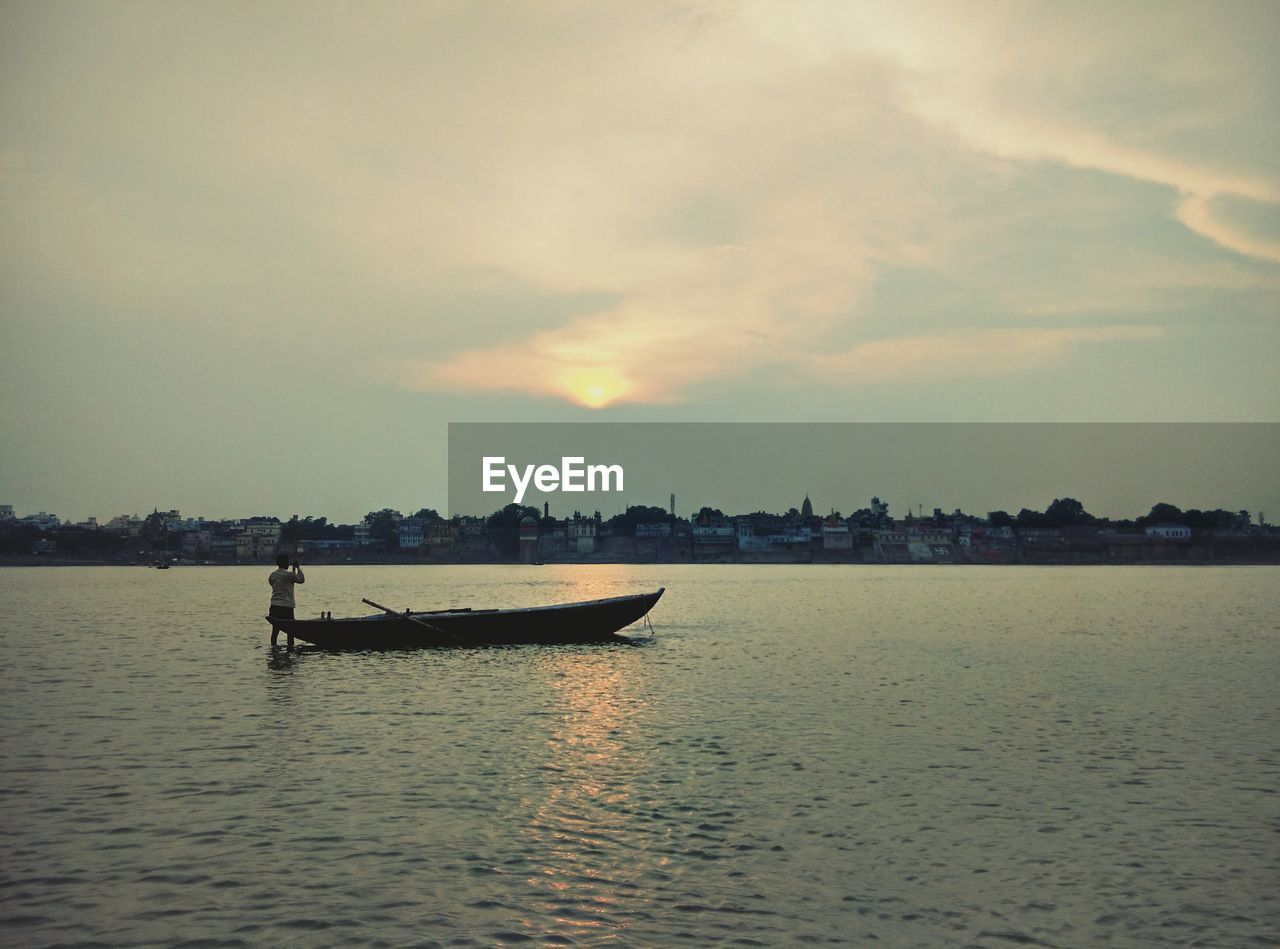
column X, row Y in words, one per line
column 1207, row 214
column 964, row 353
column 674, row 194
column 1043, row 140
column 933, row 78
column 1142, row 92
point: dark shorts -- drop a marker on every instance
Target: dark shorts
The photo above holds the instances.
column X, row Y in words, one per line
column 280, row 612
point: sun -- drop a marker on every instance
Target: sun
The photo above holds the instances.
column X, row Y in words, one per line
column 596, row 387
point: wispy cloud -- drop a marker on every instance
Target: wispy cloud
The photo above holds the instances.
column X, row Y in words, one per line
column 710, row 190
column 879, row 95
column 964, row 353
column 1197, row 211
column 1163, row 94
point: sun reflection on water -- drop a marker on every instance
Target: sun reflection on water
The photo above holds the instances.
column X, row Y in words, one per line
column 584, row 818
column 601, row 581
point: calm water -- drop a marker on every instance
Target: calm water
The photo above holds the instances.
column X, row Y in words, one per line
column 923, row 756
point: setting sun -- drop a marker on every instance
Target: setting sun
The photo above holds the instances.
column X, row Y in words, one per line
column 595, row 388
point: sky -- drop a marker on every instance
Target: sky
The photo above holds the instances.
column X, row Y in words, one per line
column 1120, row 469
column 255, row 257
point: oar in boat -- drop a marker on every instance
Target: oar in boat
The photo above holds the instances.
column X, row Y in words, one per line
column 413, row 619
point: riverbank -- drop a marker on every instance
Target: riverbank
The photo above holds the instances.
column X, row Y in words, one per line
column 1039, row 559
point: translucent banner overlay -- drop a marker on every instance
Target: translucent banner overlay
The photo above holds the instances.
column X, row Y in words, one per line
column 1117, row 470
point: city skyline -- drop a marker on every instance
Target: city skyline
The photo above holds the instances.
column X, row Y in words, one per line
column 1117, row 470
column 1065, row 532
column 259, row 257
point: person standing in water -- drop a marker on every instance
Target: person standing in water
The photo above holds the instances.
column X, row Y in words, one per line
column 282, row 581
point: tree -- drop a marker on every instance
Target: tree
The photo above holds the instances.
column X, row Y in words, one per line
column 624, row 525
column 429, row 515
column 382, row 527
column 1161, row 513
column 1215, row 520
column 313, row 528
column 79, row 540
column 17, row 538
column 1064, row 512
column 154, row 529
column 1000, row 518
column 1030, row 518
column 504, row 527
column 709, row 515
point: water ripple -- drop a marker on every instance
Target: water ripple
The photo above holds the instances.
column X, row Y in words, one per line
column 913, row 756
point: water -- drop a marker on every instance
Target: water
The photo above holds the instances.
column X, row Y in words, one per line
column 916, row 755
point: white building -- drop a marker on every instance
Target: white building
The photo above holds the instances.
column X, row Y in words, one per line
column 748, row 539
column 581, row 534
column 195, row 543
column 258, row 540
column 412, row 533
column 1169, row 532
column 722, row 534
column 837, row 538
column 130, row 524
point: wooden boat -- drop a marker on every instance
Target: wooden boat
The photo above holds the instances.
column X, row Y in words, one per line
column 590, row 621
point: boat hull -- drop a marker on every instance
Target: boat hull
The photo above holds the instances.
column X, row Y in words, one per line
column 588, row 622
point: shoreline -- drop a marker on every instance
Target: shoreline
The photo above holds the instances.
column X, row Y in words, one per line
column 16, row 562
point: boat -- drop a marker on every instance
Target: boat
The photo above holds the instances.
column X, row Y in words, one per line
column 590, row 621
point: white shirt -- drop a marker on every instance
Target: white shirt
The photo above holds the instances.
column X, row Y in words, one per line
column 282, row 582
